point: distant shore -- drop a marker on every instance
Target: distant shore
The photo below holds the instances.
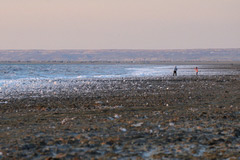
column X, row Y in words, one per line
column 127, row 62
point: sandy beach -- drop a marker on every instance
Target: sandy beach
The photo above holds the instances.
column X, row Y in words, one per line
column 183, row 117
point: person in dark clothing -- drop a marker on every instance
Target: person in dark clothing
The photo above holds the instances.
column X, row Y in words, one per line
column 175, row 71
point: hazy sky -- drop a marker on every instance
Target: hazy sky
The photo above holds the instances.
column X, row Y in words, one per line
column 119, row 24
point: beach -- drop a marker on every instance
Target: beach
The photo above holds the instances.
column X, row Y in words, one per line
column 181, row 117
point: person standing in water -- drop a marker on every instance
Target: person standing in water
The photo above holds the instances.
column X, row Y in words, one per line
column 196, row 69
column 175, row 71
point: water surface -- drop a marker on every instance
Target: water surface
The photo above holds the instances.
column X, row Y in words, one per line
column 41, row 79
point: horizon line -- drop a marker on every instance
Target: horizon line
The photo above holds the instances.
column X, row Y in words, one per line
column 118, row 49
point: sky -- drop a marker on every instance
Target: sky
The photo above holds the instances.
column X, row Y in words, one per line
column 119, row 24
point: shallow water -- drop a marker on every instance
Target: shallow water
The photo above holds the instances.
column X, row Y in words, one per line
column 17, row 80
column 71, row 71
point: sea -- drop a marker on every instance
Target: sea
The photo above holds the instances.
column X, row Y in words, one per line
column 35, row 79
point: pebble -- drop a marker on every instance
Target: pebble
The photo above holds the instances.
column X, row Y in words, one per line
column 137, row 124
column 123, row 129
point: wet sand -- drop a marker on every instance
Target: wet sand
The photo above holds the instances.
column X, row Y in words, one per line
column 185, row 117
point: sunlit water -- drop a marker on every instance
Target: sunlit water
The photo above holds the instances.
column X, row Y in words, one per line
column 20, row 79
column 70, row 71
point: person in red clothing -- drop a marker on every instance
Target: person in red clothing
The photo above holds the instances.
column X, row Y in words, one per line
column 196, row 69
